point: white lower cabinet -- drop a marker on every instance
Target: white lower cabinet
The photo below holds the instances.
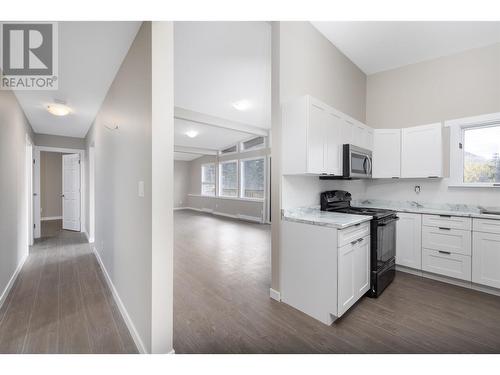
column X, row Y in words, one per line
column 320, row 277
column 353, row 274
column 409, row 240
column 446, row 263
column 486, row 258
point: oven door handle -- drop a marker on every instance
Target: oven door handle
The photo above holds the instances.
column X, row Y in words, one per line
column 388, row 222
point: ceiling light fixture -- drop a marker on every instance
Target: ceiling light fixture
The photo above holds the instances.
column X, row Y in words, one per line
column 58, row 109
column 192, row 133
column 242, row 105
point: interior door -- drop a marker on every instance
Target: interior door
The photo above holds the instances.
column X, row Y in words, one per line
column 71, row 191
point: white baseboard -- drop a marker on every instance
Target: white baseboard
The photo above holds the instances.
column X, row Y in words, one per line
column 171, row 352
column 126, row 317
column 46, row 218
column 181, row 208
column 218, row 213
column 13, row 278
column 274, row 294
column 250, row 218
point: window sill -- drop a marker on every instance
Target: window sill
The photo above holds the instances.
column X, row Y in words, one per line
column 475, row 185
column 228, row 198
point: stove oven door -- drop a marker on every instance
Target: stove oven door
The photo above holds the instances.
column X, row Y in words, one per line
column 386, row 241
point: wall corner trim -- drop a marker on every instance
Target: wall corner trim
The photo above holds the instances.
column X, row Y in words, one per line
column 13, row 278
column 274, row 294
column 123, row 311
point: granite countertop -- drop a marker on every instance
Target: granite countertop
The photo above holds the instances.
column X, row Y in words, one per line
column 313, row 215
column 451, row 209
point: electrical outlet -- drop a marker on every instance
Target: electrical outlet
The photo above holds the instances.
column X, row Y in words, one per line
column 417, row 189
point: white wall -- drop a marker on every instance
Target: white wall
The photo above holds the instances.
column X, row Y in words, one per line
column 13, row 198
column 123, row 220
column 182, row 176
column 59, row 141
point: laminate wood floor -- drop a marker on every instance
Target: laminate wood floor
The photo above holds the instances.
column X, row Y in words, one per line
column 222, row 304
column 60, row 302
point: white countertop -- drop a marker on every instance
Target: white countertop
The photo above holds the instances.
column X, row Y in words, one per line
column 313, row 215
column 426, row 208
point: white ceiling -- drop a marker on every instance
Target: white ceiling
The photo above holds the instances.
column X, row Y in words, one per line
column 90, row 54
column 209, row 137
column 184, row 156
column 219, row 63
column 377, row 46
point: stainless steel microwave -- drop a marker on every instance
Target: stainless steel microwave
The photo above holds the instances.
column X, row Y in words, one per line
column 357, row 162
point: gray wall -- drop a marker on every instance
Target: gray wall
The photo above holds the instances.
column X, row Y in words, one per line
column 13, row 201
column 59, row 141
column 182, row 176
column 308, row 64
column 50, row 184
column 311, row 64
column 460, row 85
column 123, row 157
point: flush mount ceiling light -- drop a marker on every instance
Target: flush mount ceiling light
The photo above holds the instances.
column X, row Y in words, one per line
column 58, row 109
column 242, row 105
column 192, row 133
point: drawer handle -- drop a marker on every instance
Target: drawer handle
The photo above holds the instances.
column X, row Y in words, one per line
column 357, row 225
column 445, row 216
column 443, row 228
column 444, row 252
column 360, row 240
column 354, row 242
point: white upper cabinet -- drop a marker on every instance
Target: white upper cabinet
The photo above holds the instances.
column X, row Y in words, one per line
column 422, row 151
column 313, row 134
column 387, row 153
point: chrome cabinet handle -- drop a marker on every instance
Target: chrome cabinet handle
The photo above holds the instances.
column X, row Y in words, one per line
column 354, row 242
column 360, row 240
column 444, row 252
column 443, row 228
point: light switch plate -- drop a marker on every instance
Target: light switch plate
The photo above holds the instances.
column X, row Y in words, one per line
column 141, row 189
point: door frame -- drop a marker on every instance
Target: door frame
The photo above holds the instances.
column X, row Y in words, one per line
column 29, row 188
column 36, row 179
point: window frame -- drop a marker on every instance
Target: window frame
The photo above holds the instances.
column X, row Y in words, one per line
column 257, row 147
column 241, row 181
column 219, row 189
column 457, row 134
column 206, row 183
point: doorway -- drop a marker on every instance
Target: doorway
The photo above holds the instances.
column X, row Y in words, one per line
column 58, row 198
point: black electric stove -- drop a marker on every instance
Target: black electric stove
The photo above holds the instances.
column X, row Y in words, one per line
column 382, row 237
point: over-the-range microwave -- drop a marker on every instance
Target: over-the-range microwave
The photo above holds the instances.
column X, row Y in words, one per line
column 357, row 163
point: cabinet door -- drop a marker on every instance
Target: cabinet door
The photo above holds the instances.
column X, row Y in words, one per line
column 422, row 151
column 346, row 288
column 387, row 153
column 359, row 135
column 333, row 144
column 369, row 139
column 316, row 139
column 486, row 259
column 362, row 267
column 409, row 240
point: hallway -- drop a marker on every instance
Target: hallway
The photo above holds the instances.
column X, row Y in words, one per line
column 60, row 302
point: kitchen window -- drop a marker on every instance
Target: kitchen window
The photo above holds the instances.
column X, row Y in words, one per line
column 475, row 151
column 228, row 179
column 208, row 179
column 252, row 178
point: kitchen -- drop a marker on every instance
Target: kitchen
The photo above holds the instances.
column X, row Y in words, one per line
column 402, row 191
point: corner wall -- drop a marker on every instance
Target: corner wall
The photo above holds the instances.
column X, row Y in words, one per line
column 14, row 127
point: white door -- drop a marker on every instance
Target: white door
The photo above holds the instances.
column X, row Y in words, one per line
column 362, row 267
column 333, row 145
column 409, row 240
column 346, row 288
column 316, row 139
column 486, row 259
column 387, row 153
column 71, row 191
column 422, row 151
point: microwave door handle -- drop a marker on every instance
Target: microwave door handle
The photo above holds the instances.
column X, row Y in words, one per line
column 369, row 165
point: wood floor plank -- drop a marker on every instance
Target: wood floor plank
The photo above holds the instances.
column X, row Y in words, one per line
column 59, row 303
column 222, row 305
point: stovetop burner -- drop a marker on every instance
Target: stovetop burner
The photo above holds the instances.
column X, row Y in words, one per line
column 340, row 201
column 375, row 212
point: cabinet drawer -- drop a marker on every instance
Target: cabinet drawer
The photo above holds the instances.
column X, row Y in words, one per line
column 447, row 264
column 353, row 233
column 445, row 221
column 452, row 240
column 486, row 225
